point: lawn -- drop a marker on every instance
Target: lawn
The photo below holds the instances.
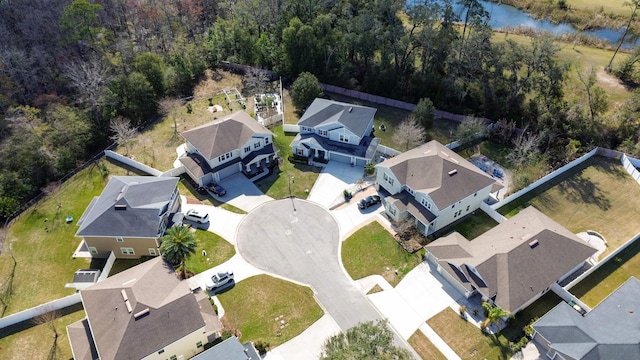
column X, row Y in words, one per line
column 466, row 339
column 42, row 242
column 185, row 187
column 473, row 225
column 36, row 341
column 298, row 177
column 269, row 309
column 602, row 282
column 425, row 348
column 546, row 302
column 218, row 251
column 372, row 250
column 596, row 195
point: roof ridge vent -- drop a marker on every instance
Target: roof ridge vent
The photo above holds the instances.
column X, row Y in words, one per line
column 141, row 313
column 426, row 152
column 534, row 243
column 351, row 109
column 453, row 172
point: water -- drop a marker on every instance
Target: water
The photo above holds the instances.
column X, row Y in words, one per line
column 502, row 16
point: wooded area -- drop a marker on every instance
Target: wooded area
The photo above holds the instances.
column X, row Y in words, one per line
column 68, row 68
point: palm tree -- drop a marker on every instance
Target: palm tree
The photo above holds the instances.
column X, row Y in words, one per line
column 178, row 244
column 495, row 313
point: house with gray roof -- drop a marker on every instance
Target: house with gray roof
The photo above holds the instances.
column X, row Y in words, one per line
column 514, row 263
column 226, row 146
column 333, row 130
column 144, row 312
column 230, row 349
column 129, row 216
column 611, row 330
column 432, row 185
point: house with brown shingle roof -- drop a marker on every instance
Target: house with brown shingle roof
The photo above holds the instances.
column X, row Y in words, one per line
column 512, row 264
column 145, row 312
column 432, row 185
column 226, row 146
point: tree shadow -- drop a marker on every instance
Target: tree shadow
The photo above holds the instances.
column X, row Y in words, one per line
column 580, row 189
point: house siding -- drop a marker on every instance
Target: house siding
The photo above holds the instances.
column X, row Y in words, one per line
column 104, row 246
column 185, row 348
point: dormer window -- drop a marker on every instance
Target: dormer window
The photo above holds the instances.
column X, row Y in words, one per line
column 247, row 148
column 256, row 145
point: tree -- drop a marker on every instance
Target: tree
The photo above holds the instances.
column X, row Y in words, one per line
column 304, row 90
column 409, row 134
column 495, row 313
column 634, row 4
column 596, row 97
column 470, row 130
column 123, row 132
column 525, row 148
column 48, row 318
column 152, row 67
column 178, row 244
column 367, row 340
column 424, row 113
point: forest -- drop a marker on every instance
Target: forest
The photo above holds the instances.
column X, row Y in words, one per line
column 69, row 68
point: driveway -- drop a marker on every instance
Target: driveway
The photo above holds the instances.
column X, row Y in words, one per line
column 221, row 222
column 334, row 178
column 300, row 240
column 242, row 193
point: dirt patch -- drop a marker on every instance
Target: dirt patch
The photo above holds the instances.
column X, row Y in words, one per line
column 214, row 82
column 609, row 80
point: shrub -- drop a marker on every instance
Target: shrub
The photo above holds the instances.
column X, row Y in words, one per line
column 262, row 347
column 369, row 169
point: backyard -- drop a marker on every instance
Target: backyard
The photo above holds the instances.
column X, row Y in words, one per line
column 373, row 250
column 268, row 309
column 596, row 195
column 471, row 226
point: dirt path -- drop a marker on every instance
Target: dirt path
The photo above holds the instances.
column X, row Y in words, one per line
column 609, row 80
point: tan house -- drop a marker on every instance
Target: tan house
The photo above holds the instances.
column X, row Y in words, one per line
column 129, row 217
column 145, row 312
column 226, row 146
column 514, row 263
column 432, row 185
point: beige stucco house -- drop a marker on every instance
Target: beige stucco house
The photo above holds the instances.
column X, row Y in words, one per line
column 129, row 217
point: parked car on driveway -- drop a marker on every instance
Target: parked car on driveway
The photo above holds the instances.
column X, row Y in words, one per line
column 217, row 189
column 219, row 280
column 368, row 201
column 196, row 216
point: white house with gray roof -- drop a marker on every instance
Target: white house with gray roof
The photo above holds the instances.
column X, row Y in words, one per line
column 129, row 217
column 432, row 185
column 611, row 330
column 332, row 130
column 514, row 263
column 144, row 312
column 226, row 146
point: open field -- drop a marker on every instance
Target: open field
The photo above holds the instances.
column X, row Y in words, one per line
column 424, row 347
column 597, row 286
column 257, row 305
column 218, row 251
column 372, row 250
column 608, row 6
column 596, row 195
column 466, row 339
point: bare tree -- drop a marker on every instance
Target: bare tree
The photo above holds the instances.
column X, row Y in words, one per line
column 525, row 147
column 165, row 106
column 49, row 318
column 90, row 79
column 256, row 81
column 409, row 134
column 123, row 132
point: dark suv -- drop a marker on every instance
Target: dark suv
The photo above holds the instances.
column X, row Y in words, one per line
column 216, row 189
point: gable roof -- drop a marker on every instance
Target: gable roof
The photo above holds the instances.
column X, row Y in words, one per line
column 224, row 135
column 356, row 118
column 128, row 206
column 436, row 170
column 230, row 349
column 610, row 331
column 515, row 260
column 163, row 310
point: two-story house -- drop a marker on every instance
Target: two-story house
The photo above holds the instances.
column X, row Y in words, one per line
column 129, row 216
column 332, row 130
column 144, row 312
column 433, row 185
column 226, row 146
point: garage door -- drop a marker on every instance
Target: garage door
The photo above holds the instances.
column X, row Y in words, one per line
column 340, row 158
column 361, row 162
column 228, row 171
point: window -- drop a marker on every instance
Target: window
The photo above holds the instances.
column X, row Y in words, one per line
column 344, row 138
column 392, row 211
column 256, row 145
column 468, row 207
column 127, row 251
column 173, row 357
column 452, row 206
column 199, row 344
column 299, row 152
column 119, row 239
column 388, row 179
column 247, row 149
column 161, row 351
column 93, row 250
column 152, row 251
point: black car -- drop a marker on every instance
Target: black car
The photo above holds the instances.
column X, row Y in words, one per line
column 216, row 189
column 201, row 190
column 368, row 201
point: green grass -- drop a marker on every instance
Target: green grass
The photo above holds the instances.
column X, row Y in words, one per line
column 302, row 176
column 608, row 6
column 602, row 282
column 466, row 339
column 255, row 306
column 425, row 348
column 546, row 302
column 596, row 195
column 43, row 249
column 372, row 250
column 473, row 225
column 185, row 188
column 218, row 251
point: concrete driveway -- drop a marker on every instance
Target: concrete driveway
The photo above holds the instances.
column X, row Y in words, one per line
column 221, row 222
column 242, row 193
column 334, row 178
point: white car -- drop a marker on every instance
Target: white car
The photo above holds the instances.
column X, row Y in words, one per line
column 197, row 216
column 219, row 280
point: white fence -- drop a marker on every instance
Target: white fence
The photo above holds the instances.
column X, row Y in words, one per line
column 275, row 119
column 134, row 164
column 39, row 310
column 631, row 165
column 387, row 150
column 495, row 215
column 107, row 267
column 291, row 128
column 544, row 179
column 174, row 172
